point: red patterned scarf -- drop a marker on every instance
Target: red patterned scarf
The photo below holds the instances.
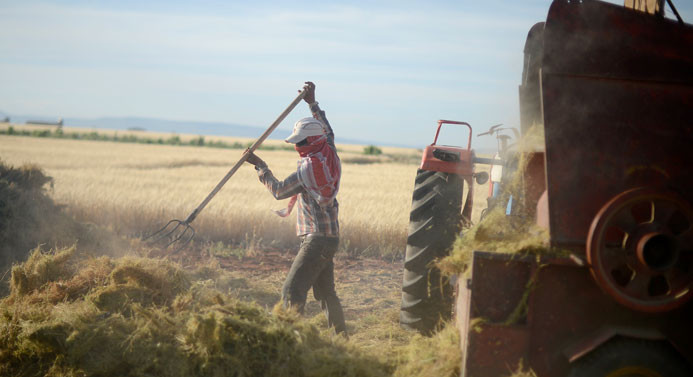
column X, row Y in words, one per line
column 319, row 170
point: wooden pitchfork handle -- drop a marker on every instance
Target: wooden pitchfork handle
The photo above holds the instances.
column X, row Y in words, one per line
column 244, row 157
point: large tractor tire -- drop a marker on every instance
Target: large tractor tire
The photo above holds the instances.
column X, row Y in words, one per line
column 632, row 357
column 434, row 223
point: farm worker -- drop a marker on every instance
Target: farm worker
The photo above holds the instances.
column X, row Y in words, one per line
column 314, row 185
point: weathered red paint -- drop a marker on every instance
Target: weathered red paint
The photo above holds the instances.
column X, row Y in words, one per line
column 617, row 96
column 646, row 234
column 567, row 316
column 462, row 163
column 534, row 181
column 614, row 90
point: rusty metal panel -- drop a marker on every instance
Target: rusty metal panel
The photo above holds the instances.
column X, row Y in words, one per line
column 617, row 93
column 617, row 98
column 534, row 182
column 587, row 343
column 678, row 329
column 492, row 293
column 528, row 93
column 593, row 38
column 496, row 350
column 497, row 285
column 462, row 319
column 562, row 308
column 567, row 309
column 616, row 152
column 567, row 317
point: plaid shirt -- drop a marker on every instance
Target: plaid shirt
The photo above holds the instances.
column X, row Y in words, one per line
column 311, row 217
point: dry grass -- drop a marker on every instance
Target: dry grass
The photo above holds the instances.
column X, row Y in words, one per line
column 70, row 316
column 131, row 187
column 134, row 188
column 28, row 217
column 438, row 355
column 498, row 232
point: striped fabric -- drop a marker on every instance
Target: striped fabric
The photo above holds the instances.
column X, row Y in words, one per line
column 312, row 218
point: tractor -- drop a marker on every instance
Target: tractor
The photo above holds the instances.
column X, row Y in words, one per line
column 613, row 88
column 436, row 218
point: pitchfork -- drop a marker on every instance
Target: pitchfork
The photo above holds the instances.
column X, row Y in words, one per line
column 180, row 232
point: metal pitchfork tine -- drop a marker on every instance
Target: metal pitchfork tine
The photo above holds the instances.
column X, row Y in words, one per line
column 168, row 232
column 182, row 232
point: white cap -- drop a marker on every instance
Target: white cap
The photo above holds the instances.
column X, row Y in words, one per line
column 304, row 128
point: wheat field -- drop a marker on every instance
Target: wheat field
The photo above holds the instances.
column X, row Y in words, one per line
column 133, row 188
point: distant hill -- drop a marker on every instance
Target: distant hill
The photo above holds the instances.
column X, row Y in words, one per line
column 180, row 127
column 163, row 125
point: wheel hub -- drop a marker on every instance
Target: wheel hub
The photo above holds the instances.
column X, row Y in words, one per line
column 657, row 251
column 640, row 249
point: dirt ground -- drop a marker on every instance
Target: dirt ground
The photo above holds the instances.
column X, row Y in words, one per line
column 369, row 289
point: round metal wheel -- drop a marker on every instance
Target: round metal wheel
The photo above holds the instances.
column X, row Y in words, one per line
column 640, row 249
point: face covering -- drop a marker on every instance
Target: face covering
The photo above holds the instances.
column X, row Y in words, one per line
column 319, row 170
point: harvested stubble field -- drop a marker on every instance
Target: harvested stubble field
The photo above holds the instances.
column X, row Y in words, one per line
column 64, row 317
column 121, row 186
column 133, row 188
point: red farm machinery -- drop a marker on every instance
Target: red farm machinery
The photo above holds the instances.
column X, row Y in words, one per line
column 613, row 87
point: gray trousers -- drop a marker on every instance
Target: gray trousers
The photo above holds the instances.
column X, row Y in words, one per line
column 313, row 267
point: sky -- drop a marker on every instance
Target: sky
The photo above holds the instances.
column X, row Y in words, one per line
column 385, row 71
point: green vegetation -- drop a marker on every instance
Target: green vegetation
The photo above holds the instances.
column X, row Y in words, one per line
column 372, row 150
column 130, row 138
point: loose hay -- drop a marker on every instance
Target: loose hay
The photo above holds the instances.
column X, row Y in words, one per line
column 29, row 218
column 439, row 355
column 69, row 313
column 139, row 316
column 496, row 233
column 499, row 232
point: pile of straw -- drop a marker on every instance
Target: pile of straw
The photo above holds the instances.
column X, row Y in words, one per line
column 29, row 217
column 71, row 316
